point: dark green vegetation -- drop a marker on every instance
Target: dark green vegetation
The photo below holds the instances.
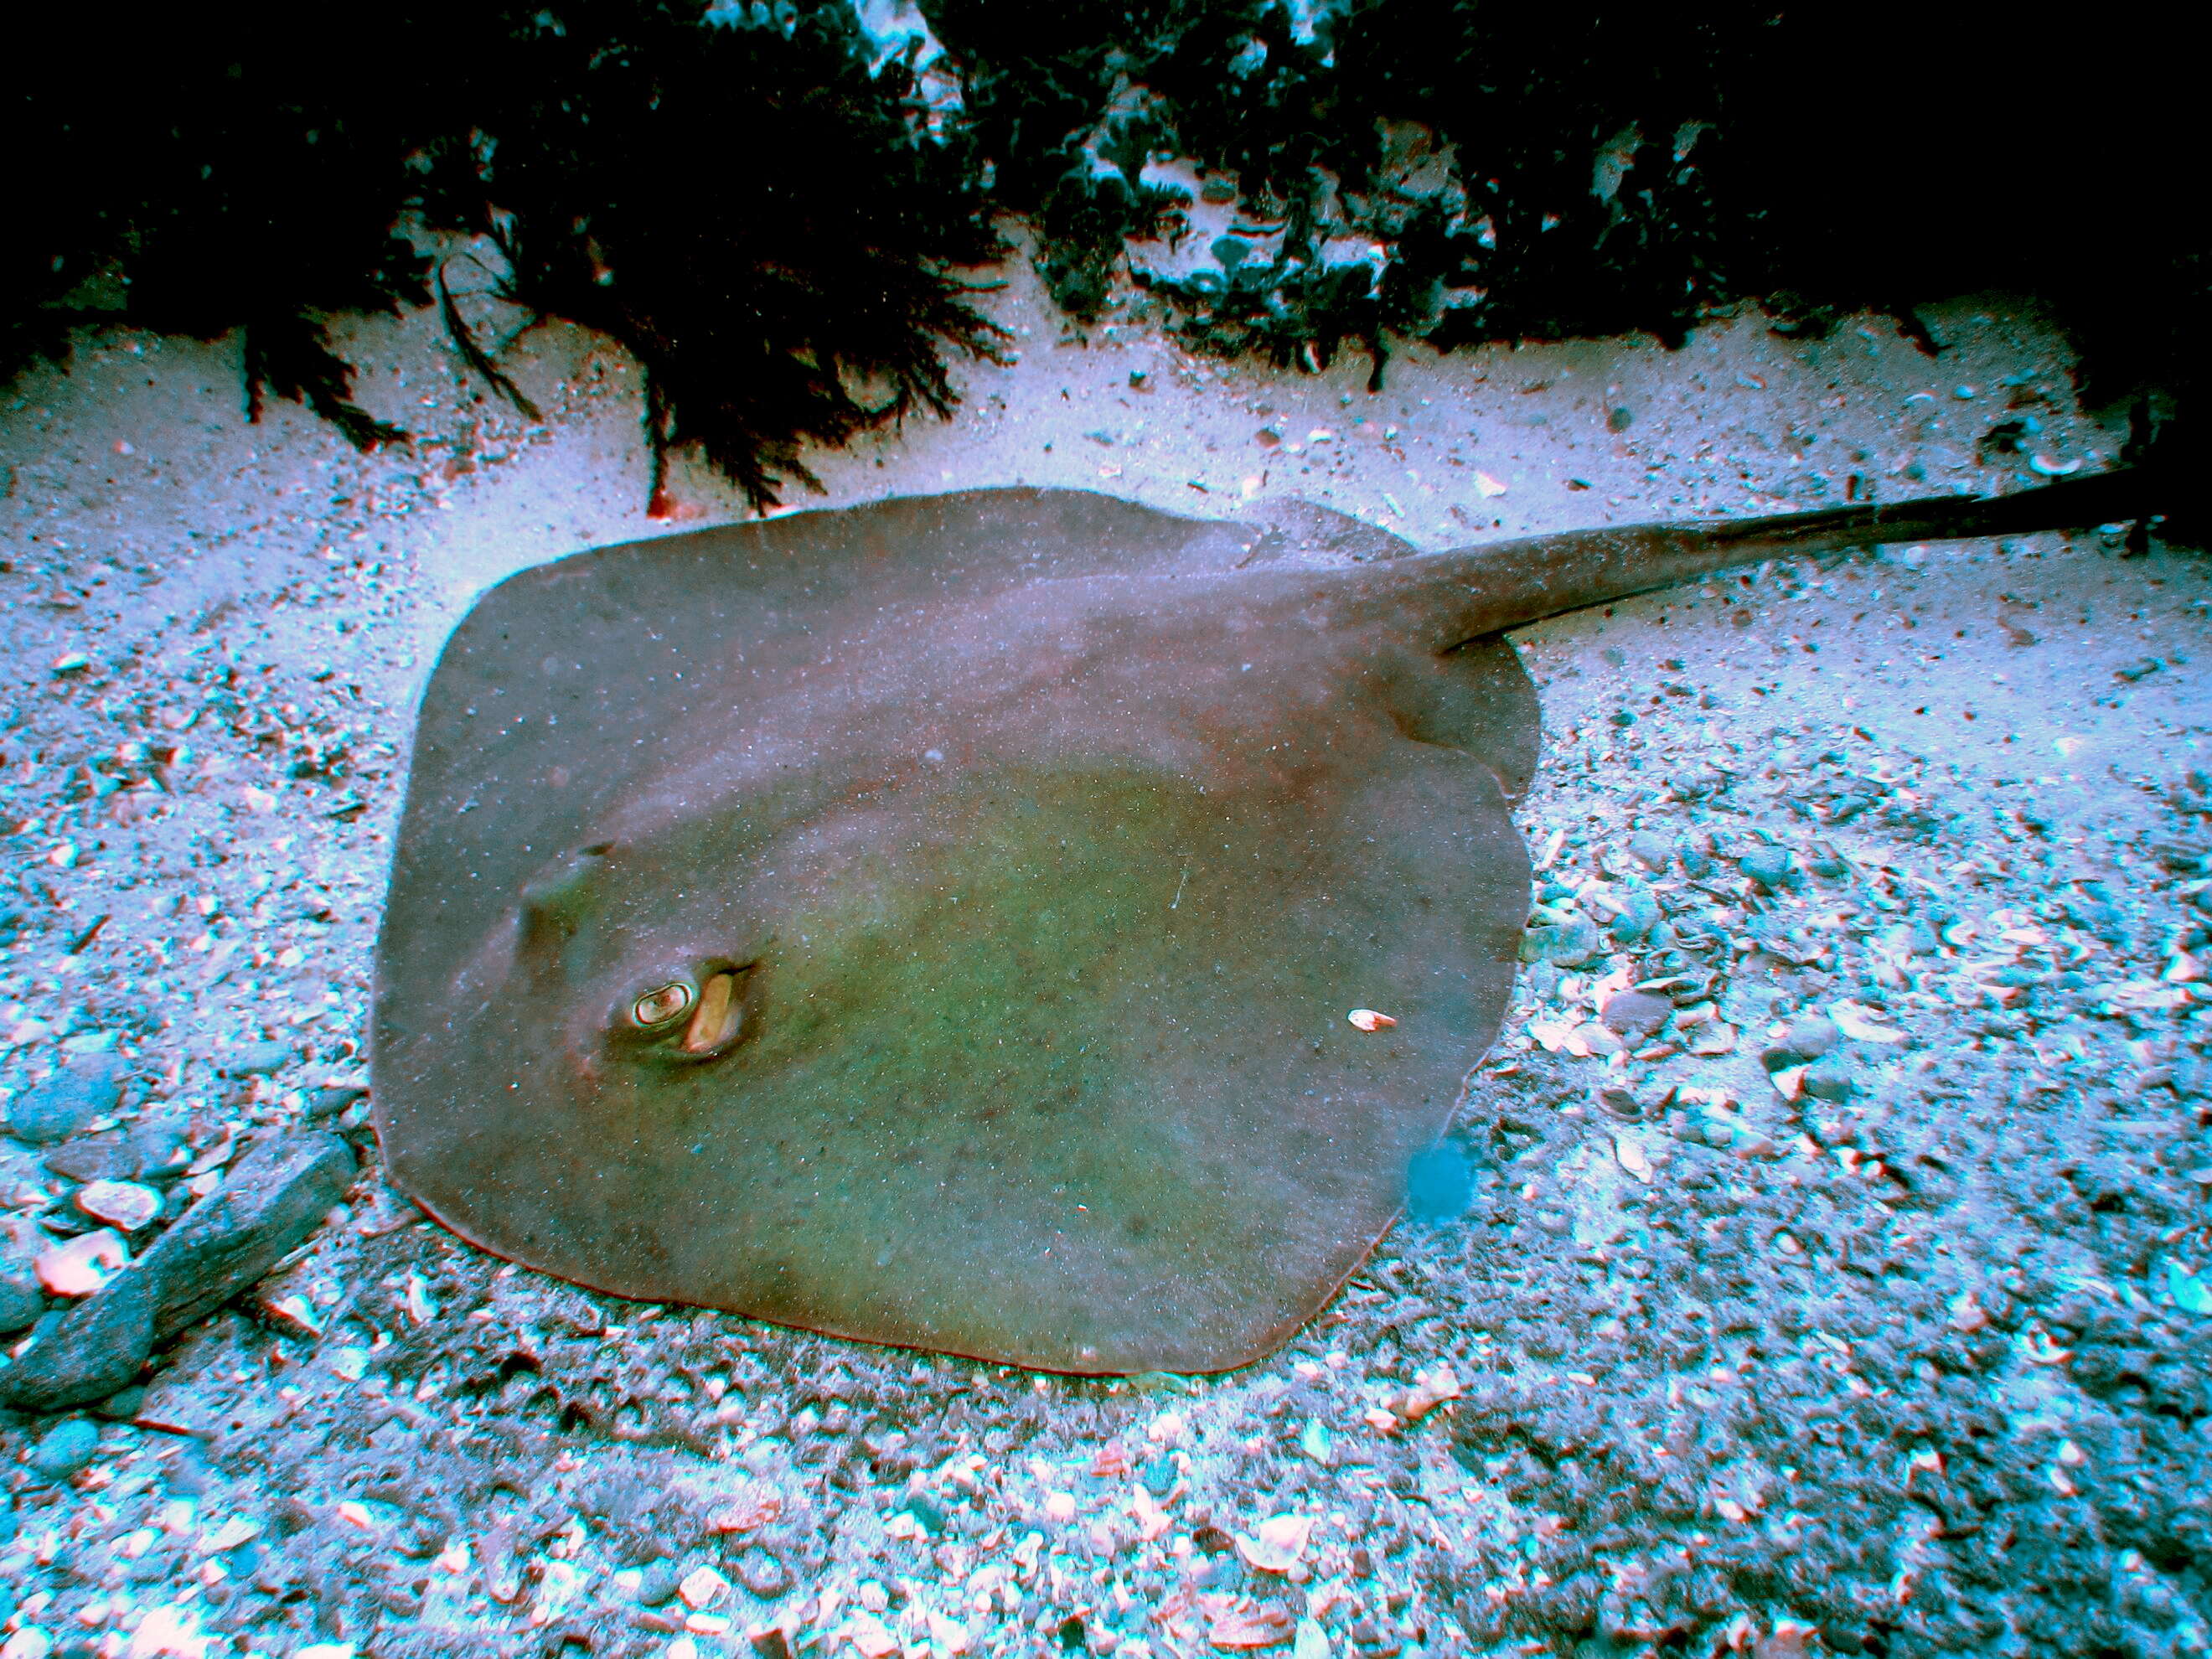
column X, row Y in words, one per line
column 774, row 232
column 743, row 208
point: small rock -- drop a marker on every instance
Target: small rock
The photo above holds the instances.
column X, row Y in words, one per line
column 87, row 1157
column 91, row 1352
column 123, row 1204
column 1635, row 1013
column 1767, row 866
column 323, row 1104
column 80, row 1266
column 88, row 1086
column 701, row 1588
column 156, row 1145
column 760, row 1571
column 64, row 1450
column 1567, row 943
column 123, row 1405
column 1830, row 1078
column 1825, row 862
column 1811, row 1036
column 1639, row 915
column 272, row 1198
column 1712, row 1038
column 1651, row 849
column 657, row 1588
column 259, row 1059
column 21, row 1301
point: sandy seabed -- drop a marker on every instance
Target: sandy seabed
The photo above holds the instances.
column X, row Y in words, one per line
column 1902, row 1352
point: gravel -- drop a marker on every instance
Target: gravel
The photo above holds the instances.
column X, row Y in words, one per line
column 1690, row 1350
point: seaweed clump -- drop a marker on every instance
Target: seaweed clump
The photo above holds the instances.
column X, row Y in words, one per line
column 771, row 205
column 1350, row 171
column 748, row 200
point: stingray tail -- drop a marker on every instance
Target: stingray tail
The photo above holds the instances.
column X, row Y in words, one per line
column 1451, row 597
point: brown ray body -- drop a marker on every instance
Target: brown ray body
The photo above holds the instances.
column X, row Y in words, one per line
column 934, row 921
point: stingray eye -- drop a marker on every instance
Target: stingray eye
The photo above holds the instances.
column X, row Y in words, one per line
column 655, row 1008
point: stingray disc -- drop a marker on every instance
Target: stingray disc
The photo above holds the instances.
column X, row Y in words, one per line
column 934, row 922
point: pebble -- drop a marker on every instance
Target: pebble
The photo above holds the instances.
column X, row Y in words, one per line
column 1830, row 1078
column 21, row 1301
column 1635, row 1013
column 124, row 1203
column 1566, row 944
column 1767, row 866
column 1825, row 862
column 64, row 1450
column 80, row 1266
column 88, row 1086
column 1711, row 1038
column 1639, row 915
column 95, row 1349
column 324, row 1104
column 152, row 1147
column 259, row 1059
column 123, row 1405
column 761, row 1573
column 154, row 1144
column 1651, row 849
column 1811, row 1036
column 658, row 1587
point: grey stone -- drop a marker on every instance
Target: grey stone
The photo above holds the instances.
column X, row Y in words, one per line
column 1767, row 866
column 88, row 1086
column 94, row 1350
column 273, row 1198
column 1638, row 915
column 325, row 1104
column 1830, row 1078
column 763, row 1572
column 1811, row 1036
column 1566, row 944
column 1651, row 849
column 1635, row 1013
column 21, row 1301
column 64, row 1450
column 154, row 1147
column 252, row 1059
column 123, row 1405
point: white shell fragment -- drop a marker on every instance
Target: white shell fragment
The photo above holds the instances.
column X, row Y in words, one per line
column 1854, row 1023
column 80, row 1266
column 1276, row 1544
column 1368, row 1020
column 123, row 1204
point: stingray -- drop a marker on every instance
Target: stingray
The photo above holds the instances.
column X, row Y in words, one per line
column 936, row 921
